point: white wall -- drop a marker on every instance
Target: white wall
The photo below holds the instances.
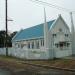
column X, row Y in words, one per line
column 62, row 53
column 2, row 51
column 73, row 51
column 60, row 24
column 26, row 54
column 60, row 35
column 35, row 54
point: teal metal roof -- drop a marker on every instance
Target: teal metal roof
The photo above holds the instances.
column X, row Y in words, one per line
column 32, row 32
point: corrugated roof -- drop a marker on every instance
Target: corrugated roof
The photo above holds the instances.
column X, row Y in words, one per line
column 32, row 32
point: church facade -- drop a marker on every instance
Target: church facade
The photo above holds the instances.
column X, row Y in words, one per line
column 45, row 41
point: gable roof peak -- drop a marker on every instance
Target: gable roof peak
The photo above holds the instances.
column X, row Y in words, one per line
column 59, row 17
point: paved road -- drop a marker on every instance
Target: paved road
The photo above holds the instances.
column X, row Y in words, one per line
column 34, row 70
column 5, row 72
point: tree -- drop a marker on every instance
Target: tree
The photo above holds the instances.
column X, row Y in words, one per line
column 13, row 34
column 3, row 38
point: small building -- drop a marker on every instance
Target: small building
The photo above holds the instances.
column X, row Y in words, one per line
column 45, row 41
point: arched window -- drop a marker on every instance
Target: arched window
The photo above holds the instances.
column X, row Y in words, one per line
column 54, row 35
column 28, row 45
column 66, row 35
column 37, row 44
column 42, row 42
column 32, row 45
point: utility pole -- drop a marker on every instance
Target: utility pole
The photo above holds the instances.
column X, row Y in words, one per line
column 6, row 23
column 72, row 34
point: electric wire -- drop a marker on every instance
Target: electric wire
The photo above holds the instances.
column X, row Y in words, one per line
column 53, row 6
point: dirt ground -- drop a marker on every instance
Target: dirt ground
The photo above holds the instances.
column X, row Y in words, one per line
column 18, row 66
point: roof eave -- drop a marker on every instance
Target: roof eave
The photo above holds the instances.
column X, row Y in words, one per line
column 41, row 37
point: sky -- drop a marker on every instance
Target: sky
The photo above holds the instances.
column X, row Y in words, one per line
column 26, row 13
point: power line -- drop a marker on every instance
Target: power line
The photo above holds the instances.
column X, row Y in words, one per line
column 53, row 6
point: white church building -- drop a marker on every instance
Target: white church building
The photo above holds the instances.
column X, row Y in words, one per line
column 44, row 41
